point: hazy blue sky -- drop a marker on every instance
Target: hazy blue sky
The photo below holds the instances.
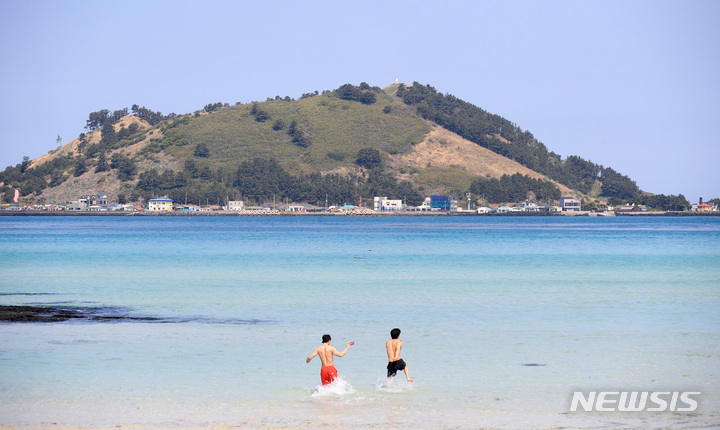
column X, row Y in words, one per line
column 633, row 85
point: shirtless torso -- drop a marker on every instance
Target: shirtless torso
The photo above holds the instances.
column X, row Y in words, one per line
column 328, row 373
column 393, row 349
column 325, row 352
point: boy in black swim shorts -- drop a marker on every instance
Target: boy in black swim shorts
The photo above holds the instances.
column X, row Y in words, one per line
column 395, row 363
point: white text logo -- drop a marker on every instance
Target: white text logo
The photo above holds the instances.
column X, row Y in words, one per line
column 634, row 401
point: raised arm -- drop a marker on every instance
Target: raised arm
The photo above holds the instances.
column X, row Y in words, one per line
column 340, row 354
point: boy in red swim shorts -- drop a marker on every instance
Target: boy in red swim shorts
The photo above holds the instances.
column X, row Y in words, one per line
column 328, row 373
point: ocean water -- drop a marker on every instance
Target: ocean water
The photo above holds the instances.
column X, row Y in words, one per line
column 502, row 320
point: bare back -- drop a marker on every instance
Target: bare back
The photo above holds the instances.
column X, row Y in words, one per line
column 326, row 352
column 393, row 349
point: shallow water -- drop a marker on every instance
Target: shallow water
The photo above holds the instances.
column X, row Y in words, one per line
column 502, row 319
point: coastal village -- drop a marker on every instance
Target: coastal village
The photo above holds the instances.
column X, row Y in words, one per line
column 435, row 204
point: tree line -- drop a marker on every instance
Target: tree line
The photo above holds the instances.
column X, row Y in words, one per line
column 261, row 180
column 514, row 188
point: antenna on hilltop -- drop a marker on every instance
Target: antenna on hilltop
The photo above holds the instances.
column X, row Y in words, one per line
column 397, row 81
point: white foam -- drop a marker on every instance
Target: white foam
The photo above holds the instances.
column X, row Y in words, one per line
column 393, row 385
column 337, row 388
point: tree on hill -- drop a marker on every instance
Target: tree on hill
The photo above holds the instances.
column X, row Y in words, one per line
column 118, row 114
column 102, row 164
column 152, row 118
column 96, row 120
column 201, row 150
column 368, row 158
column 259, row 114
column 351, row 92
column 25, row 164
column 109, row 135
column 125, row 167
column 616, row 185
column 261, row 178
column 299, row 137
column 80, row 165
column 125, row 132
column 212, row 107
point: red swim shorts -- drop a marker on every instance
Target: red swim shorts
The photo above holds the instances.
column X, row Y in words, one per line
column 328, row 374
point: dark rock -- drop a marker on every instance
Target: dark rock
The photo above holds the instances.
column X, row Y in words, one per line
column 55, row 314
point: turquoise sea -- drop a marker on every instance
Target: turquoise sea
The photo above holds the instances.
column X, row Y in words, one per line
column 502, row 319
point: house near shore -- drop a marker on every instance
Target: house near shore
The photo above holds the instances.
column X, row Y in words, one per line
column 383, row 204
column 99, row 199
column 528, row 206
column 703, row 207
column 161, row 204
column 570, row 204
column 236, row 205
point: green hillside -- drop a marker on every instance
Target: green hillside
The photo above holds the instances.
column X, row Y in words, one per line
column 340, row 146
column 334, row 131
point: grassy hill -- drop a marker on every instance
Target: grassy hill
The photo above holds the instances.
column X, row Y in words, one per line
column 219, row 151
column 335, row 129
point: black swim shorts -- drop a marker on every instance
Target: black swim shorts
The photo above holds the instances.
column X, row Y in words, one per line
column 394, row 366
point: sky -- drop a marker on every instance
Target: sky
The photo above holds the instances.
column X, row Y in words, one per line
column 631, row 85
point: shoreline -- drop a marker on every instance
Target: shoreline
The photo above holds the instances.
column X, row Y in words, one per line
column 385, row 214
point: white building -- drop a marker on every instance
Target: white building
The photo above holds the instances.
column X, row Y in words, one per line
column 528, row 207
column 570, row 204
column 236, row 205
column 383, row 204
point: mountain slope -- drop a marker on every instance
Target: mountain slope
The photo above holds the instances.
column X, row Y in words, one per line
column 206, row 154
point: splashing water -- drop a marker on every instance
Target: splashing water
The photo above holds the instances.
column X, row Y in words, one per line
column 337, row 388
column 393, row 385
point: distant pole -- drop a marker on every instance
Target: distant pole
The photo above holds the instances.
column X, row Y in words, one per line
column 468, row 200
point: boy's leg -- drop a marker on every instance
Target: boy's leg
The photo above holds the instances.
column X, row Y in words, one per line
column 407, row 374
